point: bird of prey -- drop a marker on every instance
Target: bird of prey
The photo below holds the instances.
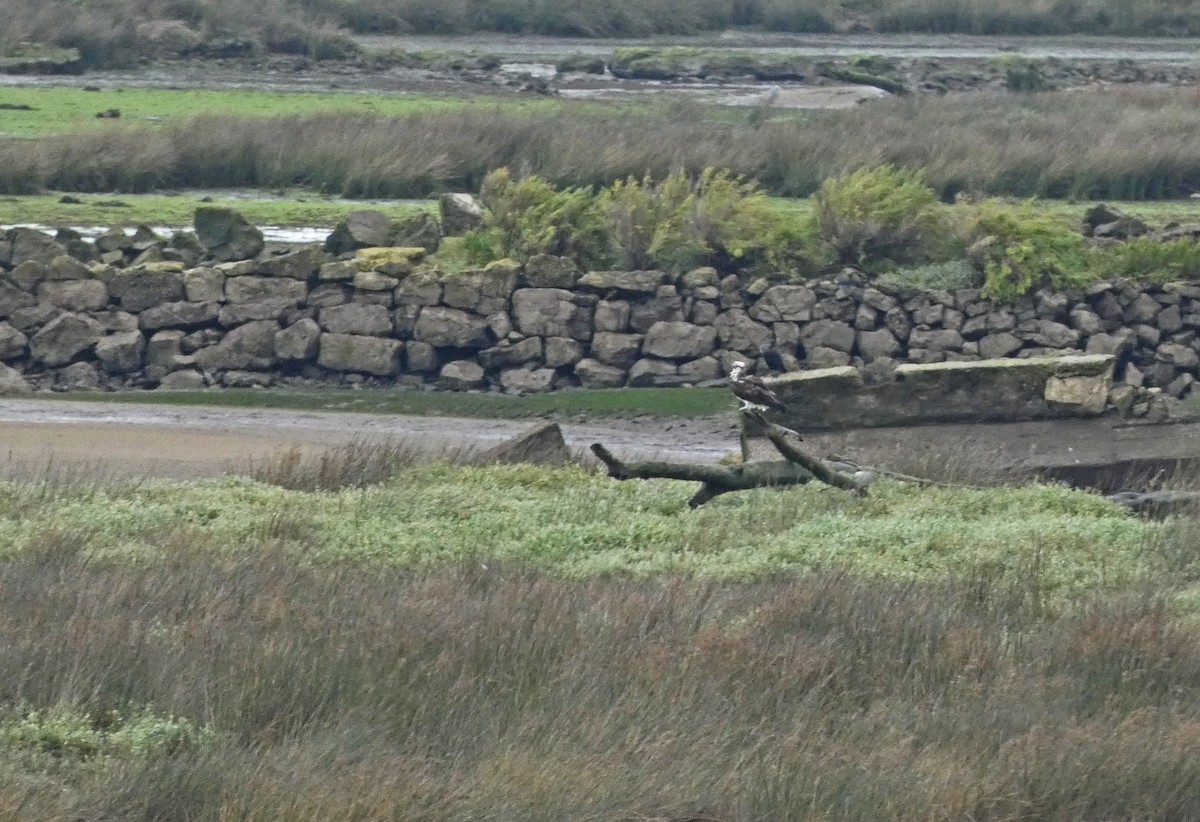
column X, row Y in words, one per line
column 752, row 391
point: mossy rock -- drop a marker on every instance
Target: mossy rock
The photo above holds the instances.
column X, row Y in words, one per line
column 388, row 260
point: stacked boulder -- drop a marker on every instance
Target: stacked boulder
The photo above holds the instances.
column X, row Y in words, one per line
column 220, row 307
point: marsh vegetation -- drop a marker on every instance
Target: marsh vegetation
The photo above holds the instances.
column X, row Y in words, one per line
column 567, row 645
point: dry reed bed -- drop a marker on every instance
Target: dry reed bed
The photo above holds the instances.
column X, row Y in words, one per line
column 499, row 692
column 1112, row 143
column 104, row 29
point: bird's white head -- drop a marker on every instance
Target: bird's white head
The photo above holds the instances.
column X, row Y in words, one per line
column 736, row 371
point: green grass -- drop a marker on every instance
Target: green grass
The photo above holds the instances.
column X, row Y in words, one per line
column 55, row 110
column 579, row 524
column 295, row 208
column 629, row 402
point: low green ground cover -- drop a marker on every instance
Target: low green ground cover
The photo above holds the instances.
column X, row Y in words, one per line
column 579, row 523
column 29, row 111
column 300, row 209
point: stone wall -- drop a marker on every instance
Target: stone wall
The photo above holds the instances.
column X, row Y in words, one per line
column 145, row 312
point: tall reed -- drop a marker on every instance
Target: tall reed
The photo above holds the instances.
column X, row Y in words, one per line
column 1110, row 143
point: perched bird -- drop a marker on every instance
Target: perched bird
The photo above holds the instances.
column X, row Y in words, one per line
column 752, row 391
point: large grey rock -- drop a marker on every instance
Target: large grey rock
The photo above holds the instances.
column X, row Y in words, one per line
column 33, row 317
column 187, row 379
column 79, row 376
column 253, row 289
column 421, row 356
column 833, row 334
column 1079, row 395
column 299, row 264
column 249, row 346
column 461, row 375
column 1001, row 344
column 1116, row 343
column 418, row 290
column 355, row 318
column 612, row 315
column 737, row 332
column 201, row 285
column 1180, row 356
column 74, row 295
column 226, row 234
column 64, row 338
column 679, row 341
column 1048, row 334
column 13, row 298
column 541, row 445
column 417, row 231
column 272, row 309
column 784, row 303
column 327, row 294
column 141, row 287
column 299, row 341
column 115, row 322
column 121, row 353
column 560, row 351
column 1142, row 309
column 507, row 355
column 635, row 282
column 11, row 381
column 619, row 350
column 873, row 345
column 699, row 370
column 66, row 267
column 12, row 342
column 459, row 213
column 522, row 380
column 648, row 372
column 360, row 229
column 546, row 271
column 595, row 374
column 164, row 349
column 935, row 340
column 369, row 355
column 31, row 244
column 550, row 312
column 483, row 292
column 178, row 315
column 824, row 357
column 645, row 313
column 450, row 328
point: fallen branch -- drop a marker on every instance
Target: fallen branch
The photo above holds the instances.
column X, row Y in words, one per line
column 797, row 469
column 819, row 468
column 715, row 479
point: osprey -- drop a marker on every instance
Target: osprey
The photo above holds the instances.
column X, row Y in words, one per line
column 752, row 391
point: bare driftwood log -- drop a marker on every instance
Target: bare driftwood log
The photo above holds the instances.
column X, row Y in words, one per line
column 797, row 469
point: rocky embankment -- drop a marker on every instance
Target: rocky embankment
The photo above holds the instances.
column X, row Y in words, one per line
column 217, row 307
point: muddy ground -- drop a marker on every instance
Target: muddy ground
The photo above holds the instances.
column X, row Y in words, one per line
column 525, row 66
column 40, row 438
